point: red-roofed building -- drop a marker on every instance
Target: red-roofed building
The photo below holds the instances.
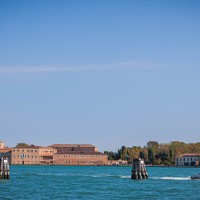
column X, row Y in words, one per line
column 187, row 159
column 32, row 155
column 78, row 154
column 64, row 148
column 59, row 154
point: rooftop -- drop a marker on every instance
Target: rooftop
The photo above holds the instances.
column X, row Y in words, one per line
column 5, row 150
column 72, row 145
column 189, row 155
column 27, row 147
column 82, row 153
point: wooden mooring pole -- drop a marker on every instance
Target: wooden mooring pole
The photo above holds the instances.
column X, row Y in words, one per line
column 4, row 168
column 138, row 169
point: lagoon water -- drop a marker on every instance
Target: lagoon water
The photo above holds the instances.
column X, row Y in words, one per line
column 94, row 182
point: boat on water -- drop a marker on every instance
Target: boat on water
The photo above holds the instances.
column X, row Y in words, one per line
column 197, row 176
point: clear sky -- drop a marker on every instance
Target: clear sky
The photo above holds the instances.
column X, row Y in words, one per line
column 108, row 73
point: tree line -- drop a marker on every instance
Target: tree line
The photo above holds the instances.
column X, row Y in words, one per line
column 155, row 153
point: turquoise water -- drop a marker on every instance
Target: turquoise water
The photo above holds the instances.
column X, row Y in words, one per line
column 93, row 182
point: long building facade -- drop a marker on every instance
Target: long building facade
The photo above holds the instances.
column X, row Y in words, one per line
column 189, row 159
column 32, row 155
column 78, row 154
column 58, row 154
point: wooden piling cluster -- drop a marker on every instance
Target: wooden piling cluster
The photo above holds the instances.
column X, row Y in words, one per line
column 139, row 169
column 4, row 168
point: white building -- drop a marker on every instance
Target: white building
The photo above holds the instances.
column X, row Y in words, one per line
column 189, row 159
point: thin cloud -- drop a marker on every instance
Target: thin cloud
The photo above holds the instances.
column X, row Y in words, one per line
column 115, row 66
column 38, row 69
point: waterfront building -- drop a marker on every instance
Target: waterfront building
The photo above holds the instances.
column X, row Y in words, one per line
column 75, row 158
column 78, row 154
column 46, row 155
column 32, row 155
column 58, row 154
column 119, row 162
column 188, row 159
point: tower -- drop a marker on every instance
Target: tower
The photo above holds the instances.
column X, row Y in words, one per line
column 2, row 145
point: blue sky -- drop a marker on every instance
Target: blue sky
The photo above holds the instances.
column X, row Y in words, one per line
column 108, row 73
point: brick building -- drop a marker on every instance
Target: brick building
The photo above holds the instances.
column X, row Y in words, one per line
column 58, row 154
column 46, row 155
column 32, row 155
column 78, row 154
column 65, row 148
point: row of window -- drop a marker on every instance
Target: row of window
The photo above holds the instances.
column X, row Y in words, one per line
column 84, row 161
column 78, row 156
column 186, row 163
column 28, row 150
column 47, row 151
column 32, row 156
column 21, row 162
column 187, row 159
column 25, row 156
column 74, row 148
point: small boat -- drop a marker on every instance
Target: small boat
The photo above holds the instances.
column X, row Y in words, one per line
column 197, row 176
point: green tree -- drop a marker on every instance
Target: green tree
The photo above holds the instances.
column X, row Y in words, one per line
column 124, row 152
column 171, row 155
column 142, row 155
column 162, row 156
column 22, row 144
column 119, row 154
column 152, row 144
column 151, row 155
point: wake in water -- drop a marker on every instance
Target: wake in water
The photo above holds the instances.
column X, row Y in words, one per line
column 107, row 175
column 172, row 178
column 78, row 175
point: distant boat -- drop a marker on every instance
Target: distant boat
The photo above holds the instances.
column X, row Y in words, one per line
column 197, row 176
